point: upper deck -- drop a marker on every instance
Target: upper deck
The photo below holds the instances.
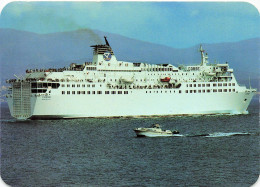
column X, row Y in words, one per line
column 105, row 62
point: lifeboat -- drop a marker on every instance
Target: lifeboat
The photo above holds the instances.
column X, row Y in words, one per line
column 177, row 85
column 127, row 80
column 166, row 79
column 210, row 73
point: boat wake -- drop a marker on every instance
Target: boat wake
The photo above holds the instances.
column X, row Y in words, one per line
column 210, row 135
column 221, row 134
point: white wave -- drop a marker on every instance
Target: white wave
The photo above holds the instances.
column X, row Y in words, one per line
column 178, row 135
column 222, row 134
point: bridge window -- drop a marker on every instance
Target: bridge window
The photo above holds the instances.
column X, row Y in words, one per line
column 55, row 85
column 39, row 85
column 44, row 85
column 34, row 85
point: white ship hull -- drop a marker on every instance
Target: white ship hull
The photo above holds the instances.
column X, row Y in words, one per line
column 107, row 87
column 137, row 103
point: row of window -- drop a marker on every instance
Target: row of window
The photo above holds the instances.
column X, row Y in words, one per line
column 188, row 85
column 91, row 68
column 45, row 85
column 177, row 91
column 172, row 74
column 78, row 85
column 158, row 69
column 208, row 85
column 92, row 92
column 194, row 91
column 126, row 92
column 208, row 90
column 119, row 70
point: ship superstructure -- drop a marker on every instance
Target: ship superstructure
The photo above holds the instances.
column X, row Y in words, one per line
column 107, row 87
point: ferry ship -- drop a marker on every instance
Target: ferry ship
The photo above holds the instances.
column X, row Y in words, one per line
column 107, row 87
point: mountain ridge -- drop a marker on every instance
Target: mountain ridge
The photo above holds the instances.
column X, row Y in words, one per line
column 96, row 30
column 23, row 49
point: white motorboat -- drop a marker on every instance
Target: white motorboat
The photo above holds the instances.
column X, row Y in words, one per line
column 154, row 131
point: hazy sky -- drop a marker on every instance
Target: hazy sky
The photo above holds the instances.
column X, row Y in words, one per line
column 175, row 24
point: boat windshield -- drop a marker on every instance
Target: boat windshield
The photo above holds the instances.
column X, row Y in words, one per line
column 156, row 126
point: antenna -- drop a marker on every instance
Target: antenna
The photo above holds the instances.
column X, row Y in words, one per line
column 17, row 76
column 249, row 82
column 202, row 55
column 106, row 41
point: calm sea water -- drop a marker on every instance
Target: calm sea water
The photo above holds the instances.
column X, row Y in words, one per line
column 106, row 152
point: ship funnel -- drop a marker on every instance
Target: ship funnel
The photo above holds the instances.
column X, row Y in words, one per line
column 103, row 53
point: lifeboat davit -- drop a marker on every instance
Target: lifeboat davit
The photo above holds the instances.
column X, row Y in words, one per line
column 166, row 79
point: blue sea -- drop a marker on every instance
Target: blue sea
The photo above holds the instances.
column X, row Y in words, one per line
column 215, row 150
